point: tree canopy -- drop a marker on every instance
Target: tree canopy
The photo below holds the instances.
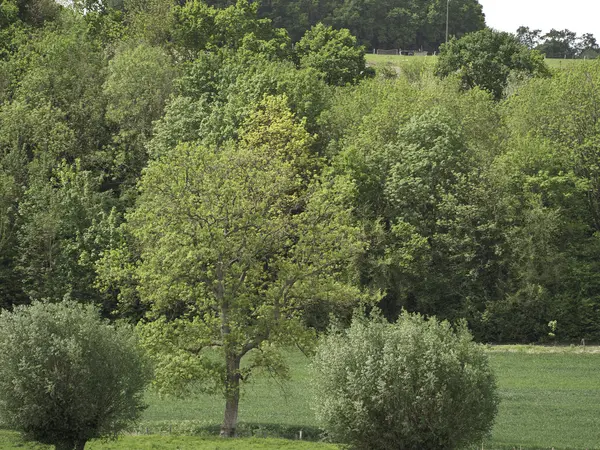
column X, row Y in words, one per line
column 487, row 59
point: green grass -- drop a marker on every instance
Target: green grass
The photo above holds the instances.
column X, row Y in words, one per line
column 269, row 408
column 400, row 62
column 550, row 398
column 10, row 440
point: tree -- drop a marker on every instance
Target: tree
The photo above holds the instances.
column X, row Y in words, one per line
column 559, row 44
column 66, row 376
column 334, row 53
column 551, row 177
column 420, row 156
column 199, row 27
column 588, row 46
column 487, row 58
column 413, row 384
column 56, row 253
column 219, row 91
column 137, row 88
column 234, row 243
column 529, row 38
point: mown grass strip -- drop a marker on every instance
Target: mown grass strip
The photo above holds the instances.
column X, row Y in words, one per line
column 10, row 440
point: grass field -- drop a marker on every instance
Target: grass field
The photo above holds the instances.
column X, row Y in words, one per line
column 550, row 399
column 9, row 440
column 402, row 61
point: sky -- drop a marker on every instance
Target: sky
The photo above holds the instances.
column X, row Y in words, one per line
column 581, row 16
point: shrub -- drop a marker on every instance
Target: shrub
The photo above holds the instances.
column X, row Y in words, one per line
column 67, row 376
column 413, row 384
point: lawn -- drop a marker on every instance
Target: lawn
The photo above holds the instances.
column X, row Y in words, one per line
column 550, row 399
column 9, row 440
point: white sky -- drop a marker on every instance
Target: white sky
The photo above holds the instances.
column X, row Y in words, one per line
column 581, row 16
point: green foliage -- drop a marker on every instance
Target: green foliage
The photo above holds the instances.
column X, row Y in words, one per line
column 487, row 58
column 138, row 85
column 56, row 249
column 334, row 53
column 402, row 24
column 66, row 376
column 234, row 242
column 419, row 154
column 549, row 177
column 413, row 384
column 199, row 27
column 58, row 72
column 218, row 92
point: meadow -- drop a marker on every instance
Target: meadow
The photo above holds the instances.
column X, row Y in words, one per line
column 550, row 399
column 428, row 61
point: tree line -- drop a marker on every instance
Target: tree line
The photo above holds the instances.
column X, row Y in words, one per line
column 560, row 43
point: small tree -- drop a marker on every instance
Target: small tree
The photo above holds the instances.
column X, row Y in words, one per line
column 66, row 376
column 487, row 58
column 410, row 385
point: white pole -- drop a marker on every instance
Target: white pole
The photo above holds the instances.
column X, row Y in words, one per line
column 447, row 16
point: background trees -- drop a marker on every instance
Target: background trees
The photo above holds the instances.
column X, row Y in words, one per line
column 407, row 24
column 559, row 43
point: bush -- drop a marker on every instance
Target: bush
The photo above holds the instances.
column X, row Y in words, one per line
column 413, row 384
column 67, row 376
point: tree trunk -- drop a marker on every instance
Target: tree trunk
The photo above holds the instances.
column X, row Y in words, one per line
column 64, row 445
column 232, row 396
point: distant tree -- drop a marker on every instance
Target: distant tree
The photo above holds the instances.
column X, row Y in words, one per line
column 138, row 85
column 529, row 38
column 59, row 236
column 334, row 53
column 559, row 44
column 66, row 376
column 588, row 46
column 487, row 58
column 199, row 27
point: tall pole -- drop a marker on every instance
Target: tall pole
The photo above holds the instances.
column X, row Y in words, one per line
column 447, row 16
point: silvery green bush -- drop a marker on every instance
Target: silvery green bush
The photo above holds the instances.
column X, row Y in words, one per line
column 66, row 376
column 413, row 384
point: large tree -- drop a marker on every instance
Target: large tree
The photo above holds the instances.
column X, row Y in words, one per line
column 235, row 243
column 487, row 58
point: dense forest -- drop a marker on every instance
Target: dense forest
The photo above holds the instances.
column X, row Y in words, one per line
column 160, row 158
column 413, row 24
